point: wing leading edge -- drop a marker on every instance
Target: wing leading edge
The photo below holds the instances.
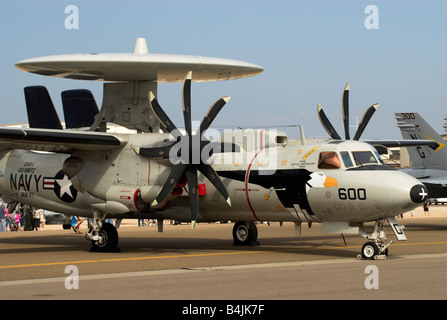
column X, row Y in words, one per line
column 383, row 145
column 57, row 140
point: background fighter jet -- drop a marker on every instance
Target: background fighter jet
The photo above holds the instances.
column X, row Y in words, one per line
column 429, row 163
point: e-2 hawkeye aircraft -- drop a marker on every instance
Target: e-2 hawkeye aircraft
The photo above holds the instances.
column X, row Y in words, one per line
column 246, row 177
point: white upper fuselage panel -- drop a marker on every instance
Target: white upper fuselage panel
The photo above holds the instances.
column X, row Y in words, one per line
column 165, row 68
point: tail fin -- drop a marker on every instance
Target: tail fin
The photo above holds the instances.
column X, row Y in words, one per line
column 40, row 108
column 79, row 108
column 413, row 126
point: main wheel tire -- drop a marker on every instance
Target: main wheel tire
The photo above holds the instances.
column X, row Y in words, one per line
column 244, row 235
column 370, row 250
column 110, row 239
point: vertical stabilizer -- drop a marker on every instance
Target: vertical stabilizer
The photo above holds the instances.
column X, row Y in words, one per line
column 413, row 126
column 40, row 108
column 80, row 108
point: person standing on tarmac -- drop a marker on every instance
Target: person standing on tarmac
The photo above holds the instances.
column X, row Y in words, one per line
column 2, row 218
column 28, row 217
column 426, row 205
column 36, row 220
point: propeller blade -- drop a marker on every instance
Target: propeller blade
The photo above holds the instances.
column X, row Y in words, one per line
column 327, row 124
column 160, row 114
column 212, row 176
column 345, row 109
column 212, row 113
column 175, row 174
column 191, row 177
column 187, row 103
column 366, row 117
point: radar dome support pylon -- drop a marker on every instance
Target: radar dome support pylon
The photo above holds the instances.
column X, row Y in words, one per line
column 126, row 103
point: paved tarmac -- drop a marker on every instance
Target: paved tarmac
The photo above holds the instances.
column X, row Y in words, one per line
column 186, row 264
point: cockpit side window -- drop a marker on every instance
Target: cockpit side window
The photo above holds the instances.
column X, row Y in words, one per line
column 378, row 157
column 329, row 160
column 346, row 159
column 363, row 157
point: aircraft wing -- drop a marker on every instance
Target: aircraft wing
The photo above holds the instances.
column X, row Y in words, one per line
column 435, row 181
column 383, row 145
column 436, row 185
column 64, row 141
column 401, row 143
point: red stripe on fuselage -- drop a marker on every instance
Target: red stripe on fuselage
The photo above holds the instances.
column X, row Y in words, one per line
column 247, row 176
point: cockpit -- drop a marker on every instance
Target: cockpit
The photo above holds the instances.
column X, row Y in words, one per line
column 349, row 159
column 329, row 160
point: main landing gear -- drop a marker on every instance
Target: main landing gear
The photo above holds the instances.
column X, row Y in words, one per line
column 103, row 235
column 245, row 234
column 377, row 248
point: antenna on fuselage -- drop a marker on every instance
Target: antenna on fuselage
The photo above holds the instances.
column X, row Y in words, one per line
column 302, row 137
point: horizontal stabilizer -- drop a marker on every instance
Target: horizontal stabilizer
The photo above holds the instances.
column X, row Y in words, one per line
column 40, row 108
column 80, row 108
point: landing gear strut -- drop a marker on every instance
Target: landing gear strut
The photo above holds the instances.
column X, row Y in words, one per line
column 245, row 234
column 103, row 235
column 377, row 248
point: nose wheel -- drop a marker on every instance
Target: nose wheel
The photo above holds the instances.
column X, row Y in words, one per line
column 371, row 251
column 377, row 247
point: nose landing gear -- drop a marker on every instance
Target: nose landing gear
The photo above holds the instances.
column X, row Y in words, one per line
column 377, row 248
column 374, row 251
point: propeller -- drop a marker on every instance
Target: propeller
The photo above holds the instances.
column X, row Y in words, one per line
column 345, row 110
column 190, row 153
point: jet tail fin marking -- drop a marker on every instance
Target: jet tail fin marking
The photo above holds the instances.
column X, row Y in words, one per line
column 413, row 126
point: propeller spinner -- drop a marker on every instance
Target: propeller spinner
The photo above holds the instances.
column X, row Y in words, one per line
column 186, row 154
column 345, row 109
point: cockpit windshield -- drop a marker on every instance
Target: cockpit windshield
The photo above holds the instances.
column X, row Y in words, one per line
column 364, row 157
column 346, row 159
column 353, row 159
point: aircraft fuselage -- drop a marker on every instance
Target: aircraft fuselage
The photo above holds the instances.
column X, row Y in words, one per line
column 267, row 184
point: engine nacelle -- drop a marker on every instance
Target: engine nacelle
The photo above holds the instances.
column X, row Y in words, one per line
column 149, row 193
column 122, row 199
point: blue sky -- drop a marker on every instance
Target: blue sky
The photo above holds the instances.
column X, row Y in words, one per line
column 308, row 49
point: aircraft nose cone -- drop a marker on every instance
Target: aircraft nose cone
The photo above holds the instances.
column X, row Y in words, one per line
column 418, row 193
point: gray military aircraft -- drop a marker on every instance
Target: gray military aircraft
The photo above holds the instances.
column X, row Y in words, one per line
column 429, row 163
column 247, row 176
